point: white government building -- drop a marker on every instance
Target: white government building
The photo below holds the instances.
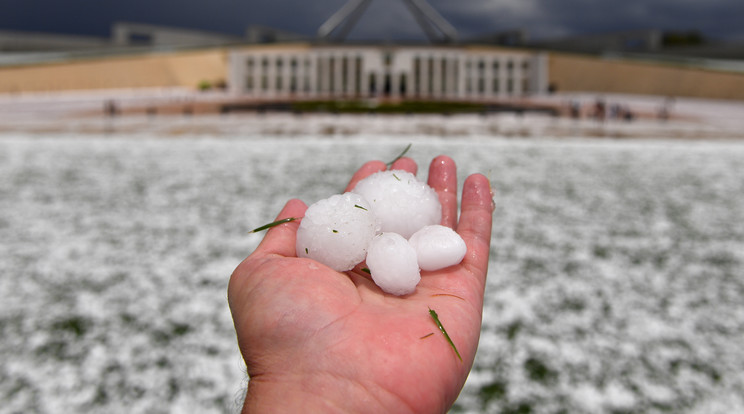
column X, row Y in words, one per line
column 444, row 70
column 322, row 71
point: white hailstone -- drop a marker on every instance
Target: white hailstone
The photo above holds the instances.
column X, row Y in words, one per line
column 401, row 202
column 336, row 231
column 392, row 262
column 437, row 247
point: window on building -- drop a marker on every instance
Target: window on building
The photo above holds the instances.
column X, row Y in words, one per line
column 345, row 75
column 430, row 76
column 456, row 75
column 332, row 74
column 372, row 84
column 481, row 77
column 265, row 74
column 358, row 76
column 468, row 77
column 139, row 39
column 293, row 75
column 496, row 71
column 279, row 73
column 319, row 86
column 417, row 76
column 249, row 63
column 306, row 75
column 387, row 87
column 443, row 75
column 510, row 77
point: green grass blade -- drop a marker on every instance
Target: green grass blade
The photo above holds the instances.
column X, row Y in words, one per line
column 274, row 224
column 400, row 155
column 444, row 332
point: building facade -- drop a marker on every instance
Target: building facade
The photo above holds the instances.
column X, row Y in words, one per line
column 307, row 71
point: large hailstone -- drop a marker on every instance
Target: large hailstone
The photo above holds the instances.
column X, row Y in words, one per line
column 437, row 247
column 393, row 265
column 401, row 202
column 336, row 231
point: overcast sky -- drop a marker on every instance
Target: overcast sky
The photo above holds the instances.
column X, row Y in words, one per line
column 384, row 19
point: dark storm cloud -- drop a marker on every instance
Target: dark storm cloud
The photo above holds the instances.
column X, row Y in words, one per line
column 716, row 18
column 385, row 19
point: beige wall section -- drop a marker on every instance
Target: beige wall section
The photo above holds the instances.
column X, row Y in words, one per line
column 573, row 73
column 184, row 69
column 569, row 73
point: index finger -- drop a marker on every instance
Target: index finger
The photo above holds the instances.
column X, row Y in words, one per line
column 281, row 239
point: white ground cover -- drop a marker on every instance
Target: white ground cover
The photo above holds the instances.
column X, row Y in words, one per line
column 615, row 284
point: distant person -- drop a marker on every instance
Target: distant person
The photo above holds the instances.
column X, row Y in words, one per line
column 599, row 109
column 627, row 113
column 575, row 109
column 315, row 340
column 110, row 108
column 665, row 110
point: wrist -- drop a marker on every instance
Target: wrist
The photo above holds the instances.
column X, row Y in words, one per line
column 319, row 393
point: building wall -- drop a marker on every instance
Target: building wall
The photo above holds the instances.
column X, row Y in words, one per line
column 124, row 33
column 15, row 41
column 396, row 72
column 568, row 73
column 184, row 69
column 574, row 73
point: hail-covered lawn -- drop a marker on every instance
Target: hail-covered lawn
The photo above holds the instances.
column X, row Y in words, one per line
column 616, row 280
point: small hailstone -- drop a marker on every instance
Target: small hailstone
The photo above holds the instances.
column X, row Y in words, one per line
column 336, row 231
column 401, row 202
column 392, row 262
column 438, row 247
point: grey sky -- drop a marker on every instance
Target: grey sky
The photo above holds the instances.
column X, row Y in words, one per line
column 384, row 19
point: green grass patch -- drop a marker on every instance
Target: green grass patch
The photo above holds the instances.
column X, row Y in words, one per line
column 407, row 107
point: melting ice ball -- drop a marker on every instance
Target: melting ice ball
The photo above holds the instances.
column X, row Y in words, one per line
column 392, row 262
column 437, row 247
column 401, row 202
column 336, row 231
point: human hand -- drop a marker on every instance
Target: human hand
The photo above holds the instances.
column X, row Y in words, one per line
column 317, row 340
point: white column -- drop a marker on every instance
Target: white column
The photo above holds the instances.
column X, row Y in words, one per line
column 436, row 76
column 351, row 75
column 502, row 75
column 424, row 67
column 308, row 80
column 487, row 76
column 338, row 87
column 469, row 76
column 462, row 75
column 271, row 70
column 323, row 74
column 364, row 81
column 237, row 73
column 454, row 77
column 539, row 73
column 280, row 82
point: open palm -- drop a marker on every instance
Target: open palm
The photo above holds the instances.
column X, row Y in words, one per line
column 317, row 340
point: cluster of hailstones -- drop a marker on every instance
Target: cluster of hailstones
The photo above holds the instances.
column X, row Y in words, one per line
column 391, row 220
